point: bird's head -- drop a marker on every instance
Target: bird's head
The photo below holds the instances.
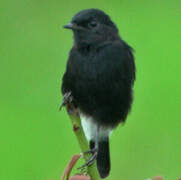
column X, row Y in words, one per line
column 91, row 27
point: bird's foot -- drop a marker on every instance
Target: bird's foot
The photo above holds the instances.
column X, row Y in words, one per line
column 91, row 151
column 68, row 102
column 67, row 99
column 91, row 159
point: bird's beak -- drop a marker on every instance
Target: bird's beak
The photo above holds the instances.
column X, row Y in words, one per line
column 69, row 26
column 73, row 26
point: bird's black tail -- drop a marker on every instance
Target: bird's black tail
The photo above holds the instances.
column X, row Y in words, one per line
column 103, row 158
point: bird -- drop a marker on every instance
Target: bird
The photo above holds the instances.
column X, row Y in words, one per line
column 98, row 80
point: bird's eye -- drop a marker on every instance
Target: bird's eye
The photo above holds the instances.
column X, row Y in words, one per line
column 92, row 24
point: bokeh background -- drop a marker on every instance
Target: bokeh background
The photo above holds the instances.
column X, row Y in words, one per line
column 36, row 140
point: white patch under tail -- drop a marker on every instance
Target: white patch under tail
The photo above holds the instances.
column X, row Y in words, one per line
column 90, row 128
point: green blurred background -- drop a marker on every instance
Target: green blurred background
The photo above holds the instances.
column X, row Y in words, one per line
column 36, row 140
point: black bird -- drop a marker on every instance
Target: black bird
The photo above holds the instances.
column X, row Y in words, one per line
column 99, row 76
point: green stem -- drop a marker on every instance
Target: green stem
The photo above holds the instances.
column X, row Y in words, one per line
column 77, row 128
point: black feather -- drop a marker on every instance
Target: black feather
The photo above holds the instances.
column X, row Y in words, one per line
column 101, row 82
column 100, row 74
column 103, row 158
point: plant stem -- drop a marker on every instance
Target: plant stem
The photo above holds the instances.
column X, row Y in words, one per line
column 77, row 128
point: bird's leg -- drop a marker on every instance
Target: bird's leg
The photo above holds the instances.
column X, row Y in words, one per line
column 93, row 151
column 90, row 151
column 90, row 161
column 67, row 99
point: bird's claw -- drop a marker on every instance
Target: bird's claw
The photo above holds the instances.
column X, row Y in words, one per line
column 67, row 99
column 91, row 159
column 92, row 151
